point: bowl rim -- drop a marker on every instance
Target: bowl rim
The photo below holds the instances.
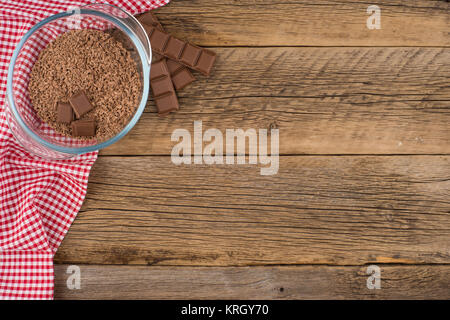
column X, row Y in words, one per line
column 145, row 61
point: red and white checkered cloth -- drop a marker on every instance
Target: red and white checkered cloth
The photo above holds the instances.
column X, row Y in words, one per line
column 39, row 199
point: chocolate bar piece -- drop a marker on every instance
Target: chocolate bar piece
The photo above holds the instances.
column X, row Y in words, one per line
column 149, row 20
column 83, row 128
column 157, row 70
column 181, row 76
column 80, row 104
column 206, row 60
column 167, row 103
column 159, row 40
column 174, row 48
column 174, row 66
column 192, row 56
column 160, row 86
column 64, row 113
column 163, row 91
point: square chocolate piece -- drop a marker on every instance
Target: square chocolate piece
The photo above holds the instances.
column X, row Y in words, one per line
column 156, row 57
column 166, row 103
column 190, row 54
column 174, row 48
column 173, row 66
column 158, row 69
column 161, row 86
column 80, row 104
column 148, row 29
column 148, row 18
column 83, row 128
column 158, row 40
column 206, row 61
column 182, row 78
column 64, row 113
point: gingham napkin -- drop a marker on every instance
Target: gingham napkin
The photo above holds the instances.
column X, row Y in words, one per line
column 39, row 199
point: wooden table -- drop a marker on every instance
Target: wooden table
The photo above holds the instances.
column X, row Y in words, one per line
column 364, row 178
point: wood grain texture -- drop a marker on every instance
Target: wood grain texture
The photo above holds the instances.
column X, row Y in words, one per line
column 323, row 100
column 281, row 282
column 150, row 229
column 317, row 210
column 307, row 23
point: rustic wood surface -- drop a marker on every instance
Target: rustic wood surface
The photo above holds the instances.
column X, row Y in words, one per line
column 308, row 23
column 364, row 173
column 280, row 282
column 330, row 209
column 323, row 100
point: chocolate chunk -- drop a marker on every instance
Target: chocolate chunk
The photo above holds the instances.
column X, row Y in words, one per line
column 174, row 48
column 158, row 69
column 190, row 55
column 161, row 86
column 83, row 128
column 80, row 104
column 158, row 40
column 182, row 78
column 167, row 103
column 206, row 61
column 148, row 29
column 174, row 66
column 149, row 20
column 156, row 57
column 64, row 113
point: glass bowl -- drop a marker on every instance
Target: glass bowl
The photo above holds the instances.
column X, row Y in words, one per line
column 33, row 134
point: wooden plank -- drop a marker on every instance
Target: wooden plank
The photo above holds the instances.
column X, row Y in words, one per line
column 340, row 210
column 323, row 100
column 307, row 23
column 280, row 282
